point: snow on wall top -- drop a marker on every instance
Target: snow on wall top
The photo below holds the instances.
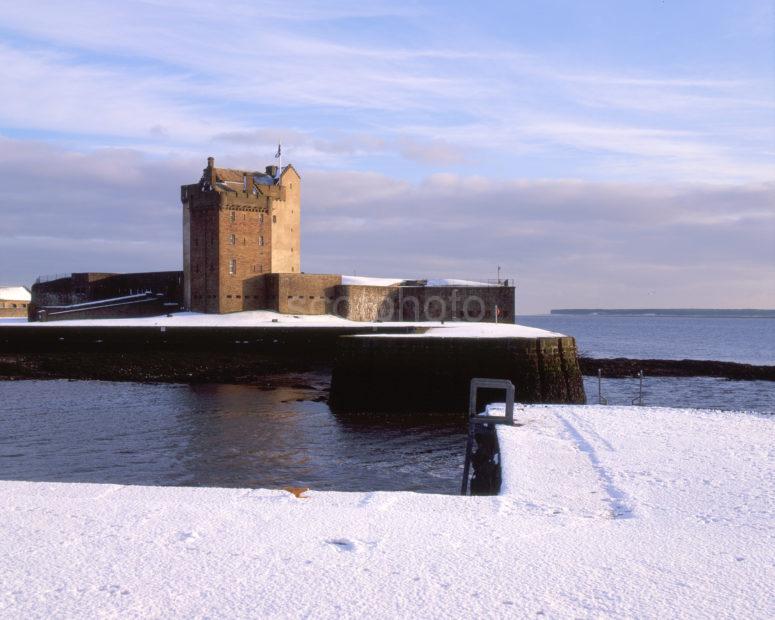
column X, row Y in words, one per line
column 14, row 293
column 368, row 281
column 268, row 318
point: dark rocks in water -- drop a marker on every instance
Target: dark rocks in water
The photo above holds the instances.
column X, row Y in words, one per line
column 625, row 367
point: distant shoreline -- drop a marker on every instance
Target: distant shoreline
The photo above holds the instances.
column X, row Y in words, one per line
column 671, row 312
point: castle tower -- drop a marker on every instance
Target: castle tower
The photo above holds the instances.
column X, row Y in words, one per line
column 237, row 226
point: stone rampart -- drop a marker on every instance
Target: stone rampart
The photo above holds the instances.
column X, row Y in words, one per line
column 301, row 293
column 425, row 303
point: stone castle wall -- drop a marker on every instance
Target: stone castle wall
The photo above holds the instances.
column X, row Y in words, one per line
column 84, row 287
column 295, row 293
column 425, row 303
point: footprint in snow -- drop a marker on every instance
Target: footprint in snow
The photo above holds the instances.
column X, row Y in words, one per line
column 342, row 544
column 345, row 544
column 186, row 537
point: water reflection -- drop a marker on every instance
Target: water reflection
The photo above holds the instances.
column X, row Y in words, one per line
column 246, row 436
column 216, row 435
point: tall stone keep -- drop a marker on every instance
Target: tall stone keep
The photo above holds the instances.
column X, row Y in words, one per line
column 237, row 226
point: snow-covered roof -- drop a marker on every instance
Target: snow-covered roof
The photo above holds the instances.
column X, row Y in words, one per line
column 14, row 293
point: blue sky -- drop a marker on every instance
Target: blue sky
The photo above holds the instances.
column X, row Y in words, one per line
column 603, row 153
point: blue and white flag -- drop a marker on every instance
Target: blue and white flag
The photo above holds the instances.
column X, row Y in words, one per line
column 279, row 152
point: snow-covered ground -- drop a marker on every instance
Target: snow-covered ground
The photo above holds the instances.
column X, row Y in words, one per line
column 268, row 318
column 605, row 512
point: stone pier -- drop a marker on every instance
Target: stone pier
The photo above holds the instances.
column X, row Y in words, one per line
column 418, row 373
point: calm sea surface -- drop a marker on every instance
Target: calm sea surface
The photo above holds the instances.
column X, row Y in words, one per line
column 243, row 436
column 748, row 341
column 215, row 435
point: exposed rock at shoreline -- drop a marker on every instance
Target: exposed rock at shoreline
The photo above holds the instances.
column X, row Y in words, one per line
column 624, row 367
column 168, row 367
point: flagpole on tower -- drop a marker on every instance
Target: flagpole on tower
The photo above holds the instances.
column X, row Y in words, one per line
column 279, row 157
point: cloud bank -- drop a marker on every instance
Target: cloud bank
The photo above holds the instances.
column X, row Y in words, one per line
column 597, row 244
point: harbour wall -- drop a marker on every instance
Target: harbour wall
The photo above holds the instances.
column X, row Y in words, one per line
column 390, row 373
column 399, row 370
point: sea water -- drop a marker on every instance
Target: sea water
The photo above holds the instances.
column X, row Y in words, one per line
column 743, row 340
column 217, row 435
column 245, row 436
column 748, row 341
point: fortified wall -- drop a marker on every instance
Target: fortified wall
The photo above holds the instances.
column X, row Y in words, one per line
column 425, row 303
column 82, row 288
column 289, row 293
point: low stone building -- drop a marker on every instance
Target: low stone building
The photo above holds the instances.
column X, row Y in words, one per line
column 14, row 301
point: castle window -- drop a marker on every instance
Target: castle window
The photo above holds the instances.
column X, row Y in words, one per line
column 274, row 219
column 261, row 240
column 232, row 216
column 232, row 239
column 260, row 218
column 232, row 266
column 244, row 182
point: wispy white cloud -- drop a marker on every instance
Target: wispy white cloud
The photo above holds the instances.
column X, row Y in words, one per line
column 592, row 179
column 156, row 73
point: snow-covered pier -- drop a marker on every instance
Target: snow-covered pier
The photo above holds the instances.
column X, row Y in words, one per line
column 604, row 511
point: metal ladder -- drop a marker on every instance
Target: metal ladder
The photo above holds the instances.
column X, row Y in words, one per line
column 474, row 419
